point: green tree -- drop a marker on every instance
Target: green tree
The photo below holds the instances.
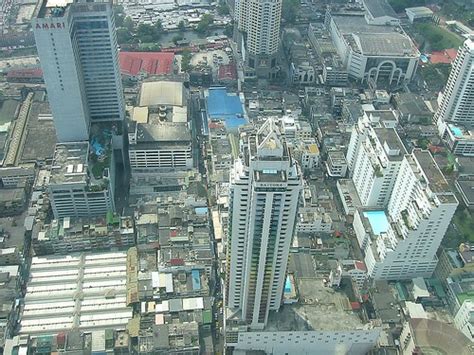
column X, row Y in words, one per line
column 206, row 21
column 223, row 8
column 181, row 26
column 158, row 28
column 229, row 30
column 123, row 35
column 177, row 38
column 186, row 61
column 119, row 16
column 289, row 10
column 146, row 33
column 128, row 24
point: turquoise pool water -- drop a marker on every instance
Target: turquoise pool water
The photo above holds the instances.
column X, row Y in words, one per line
column 456, row 131
column 378, row 221
column 287, row 285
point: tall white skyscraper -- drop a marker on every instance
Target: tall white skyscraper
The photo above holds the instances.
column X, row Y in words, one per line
column 374, row 156
column 77, row 46
column 457, row 103
column 265, row 188
column 258, row 22
column 401, row 243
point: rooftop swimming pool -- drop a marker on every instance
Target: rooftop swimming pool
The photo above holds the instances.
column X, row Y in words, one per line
column 287, row 285
column 456, row 131
column 378, row 221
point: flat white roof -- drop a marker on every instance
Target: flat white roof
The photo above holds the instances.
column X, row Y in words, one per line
column 60, row 3
column 50, row 304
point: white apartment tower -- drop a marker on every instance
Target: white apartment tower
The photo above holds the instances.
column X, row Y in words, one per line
column 374, row 157
column 402, row 243
column 265, row 188
column 457, row 102
column 258, row 22
column 78, row 50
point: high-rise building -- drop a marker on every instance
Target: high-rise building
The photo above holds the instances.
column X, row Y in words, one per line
column 457, row 102
column 258, row 24
column 374, row 156
column 82, row 182
column 401, row 243
column 78, row 50
column 265, row 187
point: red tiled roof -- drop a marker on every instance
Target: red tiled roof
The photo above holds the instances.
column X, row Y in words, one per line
column 214, row 125
column 355, row 305
column 153, row 63
column 446, row 56
column 176, row 262
column 227, row 72
column 360, row 265
column 25, row 73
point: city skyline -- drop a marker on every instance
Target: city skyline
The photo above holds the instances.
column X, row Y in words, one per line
column 240, row 177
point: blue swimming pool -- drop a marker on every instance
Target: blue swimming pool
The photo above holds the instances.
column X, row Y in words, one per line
column 456, row 131
column 287, row 285
column 378, row 221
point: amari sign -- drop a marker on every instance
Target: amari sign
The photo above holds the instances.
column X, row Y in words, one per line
column 50, row 26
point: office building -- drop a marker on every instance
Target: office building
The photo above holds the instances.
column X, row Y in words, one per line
column 77, row 47
column 265, row 188
column 457, row 102
column 374, row 156
column 82, row 180
column 373, row 52
column 258, row 25
column 159, row 132
column 401, row 243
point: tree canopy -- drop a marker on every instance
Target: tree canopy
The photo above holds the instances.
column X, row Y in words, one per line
column 289, row 10
column 206, row 21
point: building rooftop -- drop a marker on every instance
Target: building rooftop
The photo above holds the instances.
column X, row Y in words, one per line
column 391, row 142
column 435, row 177
column 466, row 187
column 222, row 105
column 227, row 72
column 40, row 131
column 319, row 308
column 154, row 93
column 379, row 8
column 384, row 44
column 70, row 163
column 167, row 132
column 152, row 63
column 432, row 336
column 358, row 24
column 83, row 291
column 419, row 11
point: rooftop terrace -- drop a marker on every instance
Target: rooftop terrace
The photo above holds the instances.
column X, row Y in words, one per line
column 436, row 179
column 70, row 163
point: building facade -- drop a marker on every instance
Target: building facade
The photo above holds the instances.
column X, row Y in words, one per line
column 265, row 188
column 457, row 102
column 77, row 47
column 402, row 243
column 374, row 156
column 371, row 52
column 78, row 186
column 160, row 147
column 258, row 25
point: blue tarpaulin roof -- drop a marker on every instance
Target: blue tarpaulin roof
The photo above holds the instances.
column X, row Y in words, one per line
column 220, row 105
